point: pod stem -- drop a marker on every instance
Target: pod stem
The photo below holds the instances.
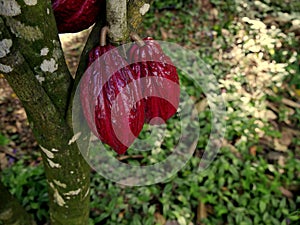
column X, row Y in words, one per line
column 139, row 41
column 103, row 35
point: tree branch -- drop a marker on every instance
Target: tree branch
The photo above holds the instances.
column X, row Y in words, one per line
column 32, row 30
column 116, row 16
column 35, row 100
column 93, row 40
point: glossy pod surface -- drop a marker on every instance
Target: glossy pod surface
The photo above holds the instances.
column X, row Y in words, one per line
column 111, row 99
column 161, row 81
column 76, row 15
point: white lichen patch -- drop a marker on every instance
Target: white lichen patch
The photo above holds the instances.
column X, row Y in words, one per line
column 56, row 43
column 74, row 138
column 144, row 9
column 49, row 154
column 57, row 53
column 21, row 30
column 87, row 192
column 58, row 198
column 44, row 51
column 54, row 150
column 60, row 184
column 40, row 79
column 5, row 68
column 51, row 185
column 53, row 164
column 9, row 8
column 49, row 65
column 30, row 2
column 85, row 138
column 73, row 193
column 5, row 46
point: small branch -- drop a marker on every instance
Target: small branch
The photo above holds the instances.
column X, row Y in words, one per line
column 93, row 40
column 116, row 16
column 125, row 157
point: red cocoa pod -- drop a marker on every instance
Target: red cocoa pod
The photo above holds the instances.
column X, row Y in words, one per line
column 111, row 99
column 76, row 15
column 162, row 83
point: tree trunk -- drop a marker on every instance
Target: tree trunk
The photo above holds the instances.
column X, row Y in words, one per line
column 32, row 61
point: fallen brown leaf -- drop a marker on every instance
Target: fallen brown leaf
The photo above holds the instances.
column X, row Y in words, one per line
column 286, row 192
column 3, row 161
column 252, row 150
column 160, row 219
column 286, row 137
column 164, row 34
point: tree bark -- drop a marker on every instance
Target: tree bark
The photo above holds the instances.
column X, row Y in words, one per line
column 116, row 16
column 32, row 61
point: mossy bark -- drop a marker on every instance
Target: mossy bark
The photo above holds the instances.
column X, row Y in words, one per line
column 32, row 62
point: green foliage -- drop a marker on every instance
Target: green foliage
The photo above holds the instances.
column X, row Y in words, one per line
column 241, row 191
column 169, row 4
column 3, row 140
column 285, row 5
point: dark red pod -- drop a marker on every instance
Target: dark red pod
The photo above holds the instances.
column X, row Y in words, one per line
column 76, row 15
column 111, row 99
column 160, row 85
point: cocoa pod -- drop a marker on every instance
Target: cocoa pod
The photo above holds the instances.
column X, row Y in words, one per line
column 111, row 99
column 76, row 15
column 162, row 83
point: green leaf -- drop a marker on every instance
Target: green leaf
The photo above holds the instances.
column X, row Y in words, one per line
column 262, row 206
column 136, row 220
column 3, row 140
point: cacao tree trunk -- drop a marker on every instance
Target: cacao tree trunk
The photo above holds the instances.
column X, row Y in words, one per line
column 32, row 61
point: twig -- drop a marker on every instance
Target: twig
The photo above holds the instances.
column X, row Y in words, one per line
column 124, row 157
column 290, row 103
